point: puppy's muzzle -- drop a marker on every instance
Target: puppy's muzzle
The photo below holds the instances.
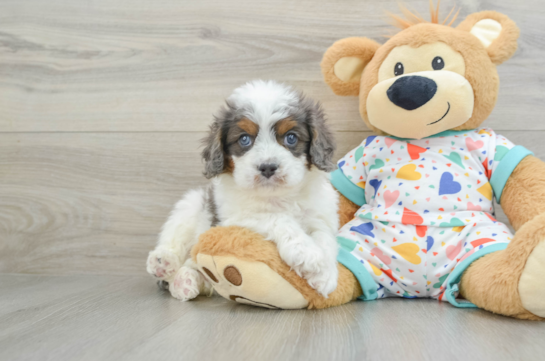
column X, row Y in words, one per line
column 411, row 92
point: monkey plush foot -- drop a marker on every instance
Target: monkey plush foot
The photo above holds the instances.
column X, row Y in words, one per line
column 249, row 282
column 511, row 282
column 245, row 268
column 532, row 281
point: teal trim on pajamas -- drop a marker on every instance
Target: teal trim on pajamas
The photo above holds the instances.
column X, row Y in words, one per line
column 347, row 188
column 368, row 285
column 506, row 166
column 456, row 275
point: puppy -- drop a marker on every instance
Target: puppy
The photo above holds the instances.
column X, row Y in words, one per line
column 268, row 154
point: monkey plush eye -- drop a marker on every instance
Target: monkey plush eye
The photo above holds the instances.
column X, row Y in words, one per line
column 245, row 141
column 290, row 140
column 398, row 69
column 437, row 63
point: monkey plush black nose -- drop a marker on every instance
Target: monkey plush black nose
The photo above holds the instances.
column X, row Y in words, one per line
column 411, row 92
column 267, row 170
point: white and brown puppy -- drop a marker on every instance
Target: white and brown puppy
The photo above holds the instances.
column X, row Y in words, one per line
column 268, row 154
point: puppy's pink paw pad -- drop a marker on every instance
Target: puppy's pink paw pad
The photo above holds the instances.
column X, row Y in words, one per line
column 160, row 272
column 186, row 284
column 162, row 263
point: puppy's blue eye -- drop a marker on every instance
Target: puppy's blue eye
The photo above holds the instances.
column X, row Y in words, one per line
column 290, row 139
column 245, row 141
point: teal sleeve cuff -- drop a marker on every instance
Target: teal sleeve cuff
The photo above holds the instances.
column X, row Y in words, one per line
column 347, row 188
column 368, row 285
column 456, row 275
column 506, row 166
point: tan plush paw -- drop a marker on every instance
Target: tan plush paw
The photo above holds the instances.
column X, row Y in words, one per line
column 532, row 282
column 249, row 282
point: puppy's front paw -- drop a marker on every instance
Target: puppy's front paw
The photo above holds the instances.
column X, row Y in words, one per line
column 310, row 262
column 187, row 285
column 162, row 263
column 324, row 281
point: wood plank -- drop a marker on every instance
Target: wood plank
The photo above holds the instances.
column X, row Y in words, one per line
column 94, row 203
column 78, row 202
column 132, row 65
column 128, row 318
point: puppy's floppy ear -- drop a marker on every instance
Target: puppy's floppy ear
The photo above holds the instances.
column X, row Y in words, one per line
column 343, row 64
column 322, row 142
column 496, row 32
column 213, row 152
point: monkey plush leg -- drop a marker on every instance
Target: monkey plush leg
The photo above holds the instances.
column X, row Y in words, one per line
column 511, row 282
column 245, row 268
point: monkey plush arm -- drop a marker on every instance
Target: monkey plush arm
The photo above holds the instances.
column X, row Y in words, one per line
column 351, row 194
column 523, row 197
column 347, row 209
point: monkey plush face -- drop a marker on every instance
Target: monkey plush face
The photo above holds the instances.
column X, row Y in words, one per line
column 420, row 91
column 426, row 79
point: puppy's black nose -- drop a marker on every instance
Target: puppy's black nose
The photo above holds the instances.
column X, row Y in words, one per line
column 411, row 92
column 267, row 170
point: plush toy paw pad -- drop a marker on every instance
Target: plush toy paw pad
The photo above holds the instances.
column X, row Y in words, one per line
column 232, row 274
column 532, row 282
column 249, row 282
column 162, row 264
column 210, row 275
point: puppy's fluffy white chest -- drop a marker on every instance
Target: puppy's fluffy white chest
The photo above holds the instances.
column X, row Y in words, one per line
column 313, row 200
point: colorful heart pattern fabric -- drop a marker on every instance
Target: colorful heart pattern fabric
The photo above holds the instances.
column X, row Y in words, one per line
column 437, row 178
column 408, row 261
column 429, row 204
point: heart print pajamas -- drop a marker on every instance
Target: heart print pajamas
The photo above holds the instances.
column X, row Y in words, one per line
column 426, row 210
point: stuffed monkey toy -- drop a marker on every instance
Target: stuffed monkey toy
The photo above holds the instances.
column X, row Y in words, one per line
column 416, row 199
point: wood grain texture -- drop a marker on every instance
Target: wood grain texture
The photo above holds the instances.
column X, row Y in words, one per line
column 94, row 202
column 136, row 65
column 102, row 105
column 128, row 318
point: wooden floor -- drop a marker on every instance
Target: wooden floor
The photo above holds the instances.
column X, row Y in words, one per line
column 128, row 318
column 102, row 105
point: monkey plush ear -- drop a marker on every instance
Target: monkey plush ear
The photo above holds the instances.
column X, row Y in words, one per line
column 343, row 64
column 495, row 31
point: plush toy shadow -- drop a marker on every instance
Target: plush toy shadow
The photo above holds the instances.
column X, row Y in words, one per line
column 425, row 89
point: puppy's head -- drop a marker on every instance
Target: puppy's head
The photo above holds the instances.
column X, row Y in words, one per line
column 268, row 135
